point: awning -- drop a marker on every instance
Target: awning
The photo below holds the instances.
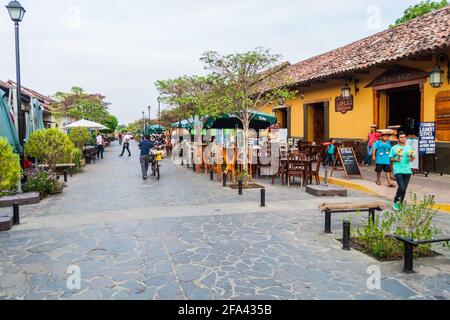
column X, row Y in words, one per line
column 7, row 128
column 259, row 121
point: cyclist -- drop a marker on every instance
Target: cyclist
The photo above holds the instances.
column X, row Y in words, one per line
column 146, row 146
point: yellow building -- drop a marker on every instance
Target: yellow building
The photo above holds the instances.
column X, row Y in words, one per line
column 396, row 77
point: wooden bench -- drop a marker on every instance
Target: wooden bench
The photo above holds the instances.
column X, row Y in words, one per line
column 409, row 250
column 329, row 208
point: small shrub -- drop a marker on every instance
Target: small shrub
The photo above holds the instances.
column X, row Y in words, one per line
column 79, row 137
column 10, row 169
column 43, row 182
column 413, row 221
column 49, row 146
column 77, row 155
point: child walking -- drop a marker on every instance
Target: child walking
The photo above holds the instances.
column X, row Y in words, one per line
column 381, row 150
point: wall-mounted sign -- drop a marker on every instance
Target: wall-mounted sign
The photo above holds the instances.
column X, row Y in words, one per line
column 344, row 105
column 427, row 138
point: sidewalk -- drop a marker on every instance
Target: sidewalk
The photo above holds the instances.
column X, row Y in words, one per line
column 433, row 185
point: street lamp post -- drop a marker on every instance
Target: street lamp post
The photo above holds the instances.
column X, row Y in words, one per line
column 159, row 111
column 16, row 12
column 149, row 114
column 143, row 122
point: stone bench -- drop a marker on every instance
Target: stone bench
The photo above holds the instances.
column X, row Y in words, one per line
column 21, row 199
column 6, row 221
column 329, row 208
column 409, row 250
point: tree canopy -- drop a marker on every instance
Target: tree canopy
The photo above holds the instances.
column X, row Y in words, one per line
column 79, row 105
column 420, row 9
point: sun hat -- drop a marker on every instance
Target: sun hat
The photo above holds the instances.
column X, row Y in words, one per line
column 374, row 126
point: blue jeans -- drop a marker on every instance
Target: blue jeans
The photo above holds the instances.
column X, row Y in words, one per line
column 328, row 158
column 368, row 158
column 100, row 150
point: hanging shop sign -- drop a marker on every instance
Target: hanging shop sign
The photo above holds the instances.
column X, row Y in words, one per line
column 344, row 105
column 427, row 138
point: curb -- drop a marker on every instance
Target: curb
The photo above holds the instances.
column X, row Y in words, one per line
column 443, row 207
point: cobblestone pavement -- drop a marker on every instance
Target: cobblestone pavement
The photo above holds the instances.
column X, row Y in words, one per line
column 186, row 237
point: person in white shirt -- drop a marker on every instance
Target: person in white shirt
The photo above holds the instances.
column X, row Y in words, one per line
column 126, row 144
column 100, row 146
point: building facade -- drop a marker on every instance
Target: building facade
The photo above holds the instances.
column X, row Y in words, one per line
column 399, row 77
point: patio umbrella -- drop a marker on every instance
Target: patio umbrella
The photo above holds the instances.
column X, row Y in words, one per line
column 259, row 121
column 36, row 118
column 155, row 129
column 86, row 124
column 7, row 128
column 184, row 124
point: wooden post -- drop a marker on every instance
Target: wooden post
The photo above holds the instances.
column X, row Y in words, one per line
column 376, row 107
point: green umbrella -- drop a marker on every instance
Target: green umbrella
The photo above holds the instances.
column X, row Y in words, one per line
column 36, row 118
column 7, row 128
column 184, row 124
column 155, row 129
column 259, row 121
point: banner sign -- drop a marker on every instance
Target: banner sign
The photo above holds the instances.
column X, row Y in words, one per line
column 344, row 105
column 414, row 143
column 427, row 138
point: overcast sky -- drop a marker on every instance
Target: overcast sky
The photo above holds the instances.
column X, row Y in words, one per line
column 119, row 50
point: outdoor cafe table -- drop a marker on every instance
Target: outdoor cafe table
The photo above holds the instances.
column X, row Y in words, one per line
column 309, row 161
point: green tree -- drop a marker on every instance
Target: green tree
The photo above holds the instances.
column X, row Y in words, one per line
column 79, row 137
column 191, row 97
column 420, row 9
column 111, row 122
column 79, row 105
column 50, row 146
column 9, row 167
column 246, row 82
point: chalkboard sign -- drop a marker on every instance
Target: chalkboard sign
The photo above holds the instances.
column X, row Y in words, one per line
column 349, row 161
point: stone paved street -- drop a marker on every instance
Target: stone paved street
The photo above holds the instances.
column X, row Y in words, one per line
column 185, row 237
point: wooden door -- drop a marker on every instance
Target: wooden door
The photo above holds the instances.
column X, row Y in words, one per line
column 443, row 116
column 319, row 122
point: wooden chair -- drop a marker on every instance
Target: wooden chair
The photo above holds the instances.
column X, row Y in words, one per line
column 315, row 172
column 282, row 172
column 296, row 167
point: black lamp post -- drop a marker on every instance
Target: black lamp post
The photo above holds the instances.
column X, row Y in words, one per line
column 149, row 113
column 16, row 12
column 159, row 111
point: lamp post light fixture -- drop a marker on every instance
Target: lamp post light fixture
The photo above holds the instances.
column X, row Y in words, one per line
column 17, row 12
column 437, row 75
column 346, row 90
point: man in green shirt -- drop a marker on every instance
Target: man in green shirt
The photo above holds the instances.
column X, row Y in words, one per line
column 401, row 157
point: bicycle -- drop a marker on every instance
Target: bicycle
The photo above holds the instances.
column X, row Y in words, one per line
column 155, row 158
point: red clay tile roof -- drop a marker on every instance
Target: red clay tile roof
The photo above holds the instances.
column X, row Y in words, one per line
column 45, row 100
column 422, row 35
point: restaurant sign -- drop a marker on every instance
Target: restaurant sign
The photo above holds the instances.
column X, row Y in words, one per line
column 344, row 105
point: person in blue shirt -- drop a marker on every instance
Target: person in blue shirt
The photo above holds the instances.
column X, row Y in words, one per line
column 381, row 150
column 329, row 156
column 146, row 146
